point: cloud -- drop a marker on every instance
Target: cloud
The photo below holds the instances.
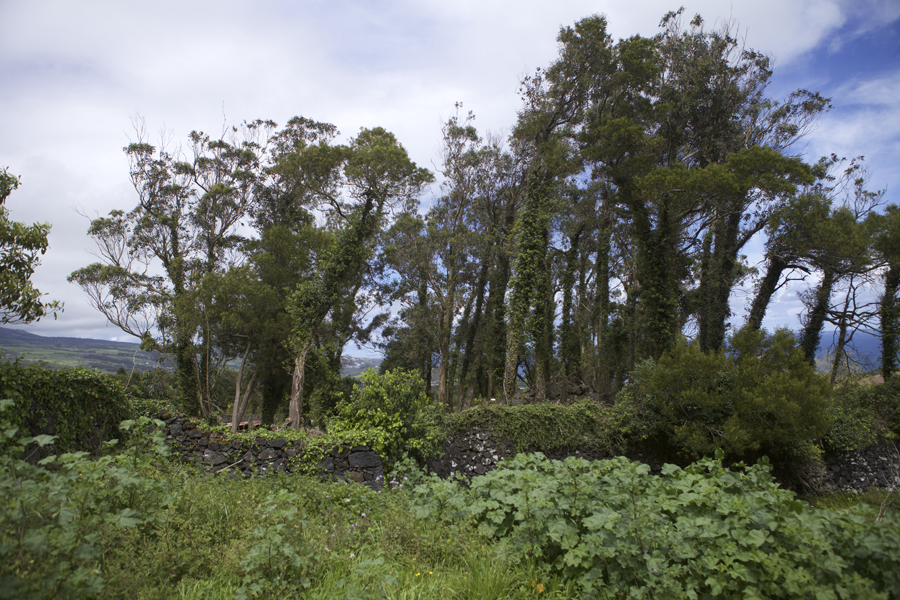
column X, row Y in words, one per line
column 73, row 73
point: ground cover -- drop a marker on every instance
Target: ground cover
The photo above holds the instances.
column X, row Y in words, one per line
column 135, row 523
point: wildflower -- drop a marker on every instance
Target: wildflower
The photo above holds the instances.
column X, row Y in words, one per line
column 347, row 500
column 327, row 549
column 364, row 514
column 417, row 574
column 352, row 555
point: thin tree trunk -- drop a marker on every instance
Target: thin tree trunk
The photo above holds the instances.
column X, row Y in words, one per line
column 295, row 411
column 889, row 322
column 812, row 332
column 237, row 411
column 767, row 287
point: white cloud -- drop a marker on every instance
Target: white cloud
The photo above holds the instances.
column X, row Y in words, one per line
column 73, row 73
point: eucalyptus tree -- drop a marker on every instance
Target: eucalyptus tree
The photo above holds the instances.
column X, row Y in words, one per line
column 885, row 230
column 356, row 185
column 21, row 247
column 185, row 226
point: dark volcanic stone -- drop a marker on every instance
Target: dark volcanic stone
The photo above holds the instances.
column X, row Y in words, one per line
column 364, row 460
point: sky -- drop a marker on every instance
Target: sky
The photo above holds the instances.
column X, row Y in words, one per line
column 74, row 75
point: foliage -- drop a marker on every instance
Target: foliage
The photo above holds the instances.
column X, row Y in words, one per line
column 704, row 531
column 80, row 407
column 58, row 517
column 21, row 247
column 761, row 397
column 864, row 415
column 396, row 405
column 551, row 427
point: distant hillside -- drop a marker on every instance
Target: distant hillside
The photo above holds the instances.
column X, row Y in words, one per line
column 63, row 352
column 106, row 356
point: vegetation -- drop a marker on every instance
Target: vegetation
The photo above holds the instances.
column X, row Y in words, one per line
column 80, row 408
column 396, row 406
column 757, row 397
column 704, row 531
column 137, row 524
column 581, row 256
column 609, row 225
column 21, row 247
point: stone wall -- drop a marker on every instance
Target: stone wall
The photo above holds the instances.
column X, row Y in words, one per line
column 478, row 451
column 357, row 463
column 874, row 467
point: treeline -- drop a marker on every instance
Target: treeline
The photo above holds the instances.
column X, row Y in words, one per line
column 611, row 222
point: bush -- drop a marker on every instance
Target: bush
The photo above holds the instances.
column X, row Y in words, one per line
column 82, row 408
column 864, row 415
column 549, row 428
column 760, row 397
column 700, row 532
column 396, row 405
column 57, row 523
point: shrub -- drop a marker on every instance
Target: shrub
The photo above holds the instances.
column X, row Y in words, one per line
column 56, row 524
column 549, row 428
column 864, row 415
column 82, row 408
column 759, row 397
column 700, row 532
column 396, row 405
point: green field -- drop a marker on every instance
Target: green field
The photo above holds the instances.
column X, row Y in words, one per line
column 63, row 352
column 106, row 356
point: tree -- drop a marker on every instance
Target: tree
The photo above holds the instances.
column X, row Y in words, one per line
column 184, row 227
column 21, row 247
column 357, row 183
column 886, row 235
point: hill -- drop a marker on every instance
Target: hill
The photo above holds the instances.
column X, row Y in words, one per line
column 106, row 356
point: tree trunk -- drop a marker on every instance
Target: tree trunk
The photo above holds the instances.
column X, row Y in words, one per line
column 767, row 287
column 889, row 322
column 295, row 411
column 812, row 331
column 237, row 409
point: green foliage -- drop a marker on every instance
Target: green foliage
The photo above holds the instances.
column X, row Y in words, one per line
column 550, row 428
column 82, row 408
column 864, row 415
column 761, row 397
column 21, row 247
column 703, row 531
column 396, row 406
column 57, row 518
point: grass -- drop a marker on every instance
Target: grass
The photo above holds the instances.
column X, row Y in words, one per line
column 880, row 499
column 354, row 543
column 290, row 536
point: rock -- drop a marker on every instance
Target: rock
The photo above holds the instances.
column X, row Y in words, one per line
column 175, row 429
column 355, row 476
column 278, row 444
column 327, row 464
column 364, row 460
column 214, row 459
column 267, row 454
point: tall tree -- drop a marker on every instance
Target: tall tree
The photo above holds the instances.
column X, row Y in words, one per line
column 357, row 183
column 184, row 227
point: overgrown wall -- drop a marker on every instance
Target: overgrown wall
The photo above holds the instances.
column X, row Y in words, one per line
column 478, row 451
column 351, row 463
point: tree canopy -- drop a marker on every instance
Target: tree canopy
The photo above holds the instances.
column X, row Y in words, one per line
column 610, row 225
